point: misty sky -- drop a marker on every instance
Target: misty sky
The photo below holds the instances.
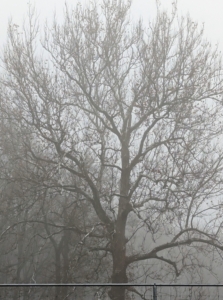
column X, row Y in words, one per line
column 207, row 11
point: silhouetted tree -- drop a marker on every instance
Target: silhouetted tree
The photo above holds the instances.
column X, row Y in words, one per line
column 128, row 118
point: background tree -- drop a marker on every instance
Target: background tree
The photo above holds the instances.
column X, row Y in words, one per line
column 126, row 117
column 43, row 231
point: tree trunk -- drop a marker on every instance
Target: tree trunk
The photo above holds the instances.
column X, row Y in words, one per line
column 57, row 273
column 20, row 263
column 119, row 266
column 119, row 239
column 65, row 255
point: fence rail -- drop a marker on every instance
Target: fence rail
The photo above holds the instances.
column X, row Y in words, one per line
column 106, row 285
column 153, row 287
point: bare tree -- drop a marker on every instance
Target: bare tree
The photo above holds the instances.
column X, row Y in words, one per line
column 127, row 117
column 42, row 230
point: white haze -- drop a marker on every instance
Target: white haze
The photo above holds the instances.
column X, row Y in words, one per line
column 201, row 11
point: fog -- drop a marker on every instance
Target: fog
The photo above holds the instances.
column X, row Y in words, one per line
column 111, row 151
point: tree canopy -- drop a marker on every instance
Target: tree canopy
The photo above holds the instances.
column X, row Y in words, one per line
column 125, row 118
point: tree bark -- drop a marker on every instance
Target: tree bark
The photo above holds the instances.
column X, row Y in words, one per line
column 57, row 273
column 65, row 255
column 119, row 239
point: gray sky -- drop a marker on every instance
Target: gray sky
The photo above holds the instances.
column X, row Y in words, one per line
column 203, row 11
